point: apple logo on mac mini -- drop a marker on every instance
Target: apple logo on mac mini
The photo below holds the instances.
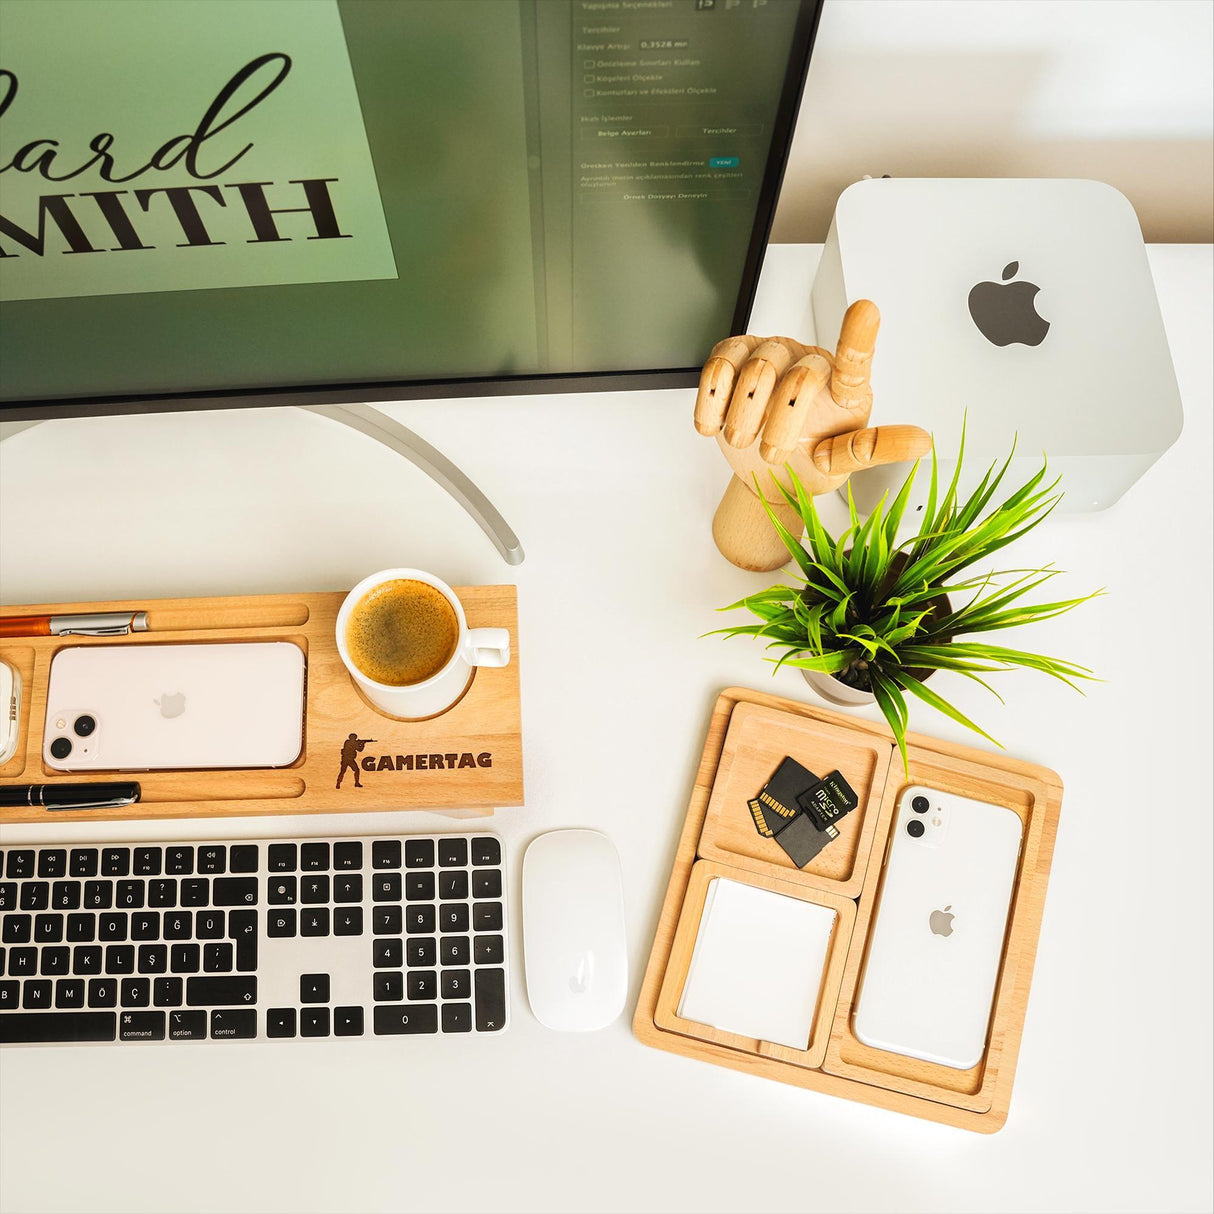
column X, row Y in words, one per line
column 941, row 922
column 1006, row 312
column 171, row 705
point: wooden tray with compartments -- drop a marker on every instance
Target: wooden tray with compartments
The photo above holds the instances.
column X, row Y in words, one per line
column 468, row 759
column 750, row 732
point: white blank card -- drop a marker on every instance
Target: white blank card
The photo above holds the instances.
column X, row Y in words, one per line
column 757, row 963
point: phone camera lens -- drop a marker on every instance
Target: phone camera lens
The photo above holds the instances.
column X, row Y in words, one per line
column 915, row 828
column 84, row 726
column 61, row 747
column 920, row 804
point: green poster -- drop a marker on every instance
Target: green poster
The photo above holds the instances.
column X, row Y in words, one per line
column 148, row 147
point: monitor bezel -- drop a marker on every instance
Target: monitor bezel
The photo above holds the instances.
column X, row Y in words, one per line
column 368, row 392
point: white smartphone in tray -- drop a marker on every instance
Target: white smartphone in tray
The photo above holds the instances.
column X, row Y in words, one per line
column 149, row 707
column 933, row 956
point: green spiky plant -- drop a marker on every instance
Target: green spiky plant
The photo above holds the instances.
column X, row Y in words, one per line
column 880, row 615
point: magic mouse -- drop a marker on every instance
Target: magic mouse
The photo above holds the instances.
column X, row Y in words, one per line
column 573, row 930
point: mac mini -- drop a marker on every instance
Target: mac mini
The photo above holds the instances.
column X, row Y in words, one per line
column 1024, row 309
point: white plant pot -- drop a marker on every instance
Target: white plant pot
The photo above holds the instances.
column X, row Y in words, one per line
column 834, row 692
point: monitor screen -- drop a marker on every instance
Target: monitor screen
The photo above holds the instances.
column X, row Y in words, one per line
column 208, row 202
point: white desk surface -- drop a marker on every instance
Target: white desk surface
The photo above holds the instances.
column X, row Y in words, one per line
column 612, row 497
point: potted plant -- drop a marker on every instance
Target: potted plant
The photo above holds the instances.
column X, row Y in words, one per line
column 873, row 619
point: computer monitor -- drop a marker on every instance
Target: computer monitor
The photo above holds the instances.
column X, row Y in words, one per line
column 207, row 203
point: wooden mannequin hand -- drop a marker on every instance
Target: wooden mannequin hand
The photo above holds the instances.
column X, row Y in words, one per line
column 807, row 408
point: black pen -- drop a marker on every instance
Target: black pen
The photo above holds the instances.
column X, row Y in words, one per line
column 70, row 796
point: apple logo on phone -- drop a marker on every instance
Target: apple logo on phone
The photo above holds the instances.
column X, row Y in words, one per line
column 941, row 922
column 171, row 705
column 1006, row 312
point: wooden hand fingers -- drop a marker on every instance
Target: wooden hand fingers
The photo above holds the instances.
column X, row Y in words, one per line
column 717, row 380
column 849, row 382
column 844, row 454
column 756, row 381
column 790, row 407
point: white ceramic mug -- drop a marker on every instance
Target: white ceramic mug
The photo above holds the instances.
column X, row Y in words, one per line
column 473, row 647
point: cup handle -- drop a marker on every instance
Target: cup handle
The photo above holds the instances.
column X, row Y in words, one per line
column 487, row 647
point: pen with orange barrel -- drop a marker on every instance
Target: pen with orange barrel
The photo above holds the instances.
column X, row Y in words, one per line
column 96, row 624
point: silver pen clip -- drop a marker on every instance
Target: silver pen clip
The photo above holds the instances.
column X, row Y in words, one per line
column 99, row 624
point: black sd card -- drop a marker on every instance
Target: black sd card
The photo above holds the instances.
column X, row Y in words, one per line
column 828, row 800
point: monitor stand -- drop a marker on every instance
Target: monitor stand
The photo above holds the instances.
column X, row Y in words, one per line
column 379, row 426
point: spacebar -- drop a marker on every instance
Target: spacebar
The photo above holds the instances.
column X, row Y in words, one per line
column 27, row 1028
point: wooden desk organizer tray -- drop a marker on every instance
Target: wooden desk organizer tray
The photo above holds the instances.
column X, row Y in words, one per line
column 469, row 758
column 749, row 734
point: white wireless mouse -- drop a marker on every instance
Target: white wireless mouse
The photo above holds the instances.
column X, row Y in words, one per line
column 573, row 930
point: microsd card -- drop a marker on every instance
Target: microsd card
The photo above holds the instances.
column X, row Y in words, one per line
column 828, row 800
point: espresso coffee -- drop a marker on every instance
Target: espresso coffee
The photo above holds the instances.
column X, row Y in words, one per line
column 402, row 632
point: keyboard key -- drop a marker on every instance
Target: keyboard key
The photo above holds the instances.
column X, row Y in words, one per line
column 280, row 923
column 178, row 925
column 280, row 1022
column 3, row 954
column 37, row 993
column 348, row 857
column 314, row 921
column 196, row 891
column 242, row 858
column 28, row 1028
column 348, row 921
column 280, row 891
column 146, row 862
column 421, row 984
column 233, row 1023
column 81, row 928
column 419, row 919
column 231, row 990
column 136, row 992
column 65, row 895
column 8, row 896
column 314, row 988
column 452, row 853
column 314, row 889
column 98, row 895
column 314, row 857
column 419, row 853
column 23, row 962
column 457, row 1017
column 387, row 921
column 385, row 853
column 490, row 1000
column 419, row 887
column 234, row 891
column 388, row 954
column 242, row 928
column 103, row 992
column 162, row 892
column 179, row 861
column 385, row 887
column 314, row 1022
column 217, row 958
column 82, row 862
column 185, row 958
column 208, row 925
column 56, row 961
column 423, row 950
column 488, row 950
column 153, row 958
column 145, row 925
column 453, row 917
column 452, row 885
column 187, row 1026
column 413, row 1018
column 48, row 929
column 213, row 858
column 119, row 959
column 487, row 917
column 115, row 861
column 20, row 864
column 486, row 850
column 348, row 1022
column 35, row 895
column 281, row 857
column 16, row 929
column 52, row 862
column 128, row 895
column 388, row 987
column 10, row 994
column 487, row 884
column 456, row 984
column 86, row 959
column 167, row 992
column 112, row 926
column 141, row 1026
column 69, row 993
column 348, row 888
column 453, row 950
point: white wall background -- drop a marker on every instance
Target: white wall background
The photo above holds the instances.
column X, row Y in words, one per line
column 1118, row 90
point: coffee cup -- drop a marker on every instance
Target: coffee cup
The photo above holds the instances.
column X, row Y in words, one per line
column 405, row 641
